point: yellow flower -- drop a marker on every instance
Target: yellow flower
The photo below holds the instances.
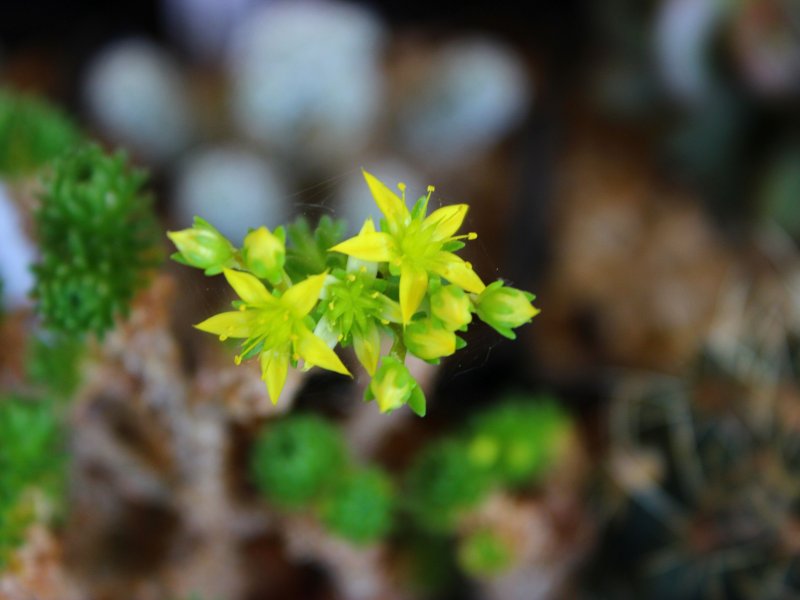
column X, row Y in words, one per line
column 414, row 245
column 275, row 328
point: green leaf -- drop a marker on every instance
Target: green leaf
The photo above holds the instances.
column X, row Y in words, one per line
column 307, row 251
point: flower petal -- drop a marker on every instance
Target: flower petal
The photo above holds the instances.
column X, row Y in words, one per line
column 249, row 289
column 390, row 204
column 303, row 296
column 367, row 345
column 274, row 367
column 457, row 271
column 354, row 264
column 446, row 221
column 316, row 353
column 413, row 285
column 389, row 310
column 234, row 324
column 376, row 246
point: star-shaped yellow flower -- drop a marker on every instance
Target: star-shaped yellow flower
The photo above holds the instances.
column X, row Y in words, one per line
column 275, row 328
column 414, row 245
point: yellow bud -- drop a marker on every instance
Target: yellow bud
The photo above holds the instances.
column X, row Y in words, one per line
column 429, row 340
column 202, row 246
column 505, row 308
column 264, row 254
column 451, row 306
column 392, row 385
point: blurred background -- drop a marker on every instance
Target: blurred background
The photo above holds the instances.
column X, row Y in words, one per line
column 634, row 163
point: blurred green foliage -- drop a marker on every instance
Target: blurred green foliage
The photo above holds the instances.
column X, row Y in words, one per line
column 98, row 237
column 781, row 190
column 296, row 458
column 442, row 482
column 32, row 133
column 518, row 440
column 32, row 465
column 300, row 462
column 483, row 553
column 359, row 506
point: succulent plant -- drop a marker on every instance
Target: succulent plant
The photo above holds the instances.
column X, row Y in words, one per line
column 359, row 506
column 442, row 483
column 32, row 132
column 519, row 439
column 97, row 235
column 31, row 466
column 295, row 459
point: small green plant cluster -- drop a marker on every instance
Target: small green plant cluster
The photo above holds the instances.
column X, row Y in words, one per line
column 302, row 293
column 98, row 238
column 510, row 446
column 32, row 133
column 301, row 463
column 32, row 467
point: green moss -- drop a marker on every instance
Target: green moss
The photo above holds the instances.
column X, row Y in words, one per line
column 31, row 462
column 442, row 482
column 359, row 506
column 97, row 234
column 32, row 133
column 517, row 441
column 296, row 458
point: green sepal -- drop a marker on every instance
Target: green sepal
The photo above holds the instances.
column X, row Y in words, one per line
column 416, row 402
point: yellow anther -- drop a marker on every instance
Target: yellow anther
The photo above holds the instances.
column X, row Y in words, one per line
column 237, row 359
column 472, row 236
column 223, row 337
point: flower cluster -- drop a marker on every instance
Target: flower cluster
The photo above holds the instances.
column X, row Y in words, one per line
column 302, row 294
